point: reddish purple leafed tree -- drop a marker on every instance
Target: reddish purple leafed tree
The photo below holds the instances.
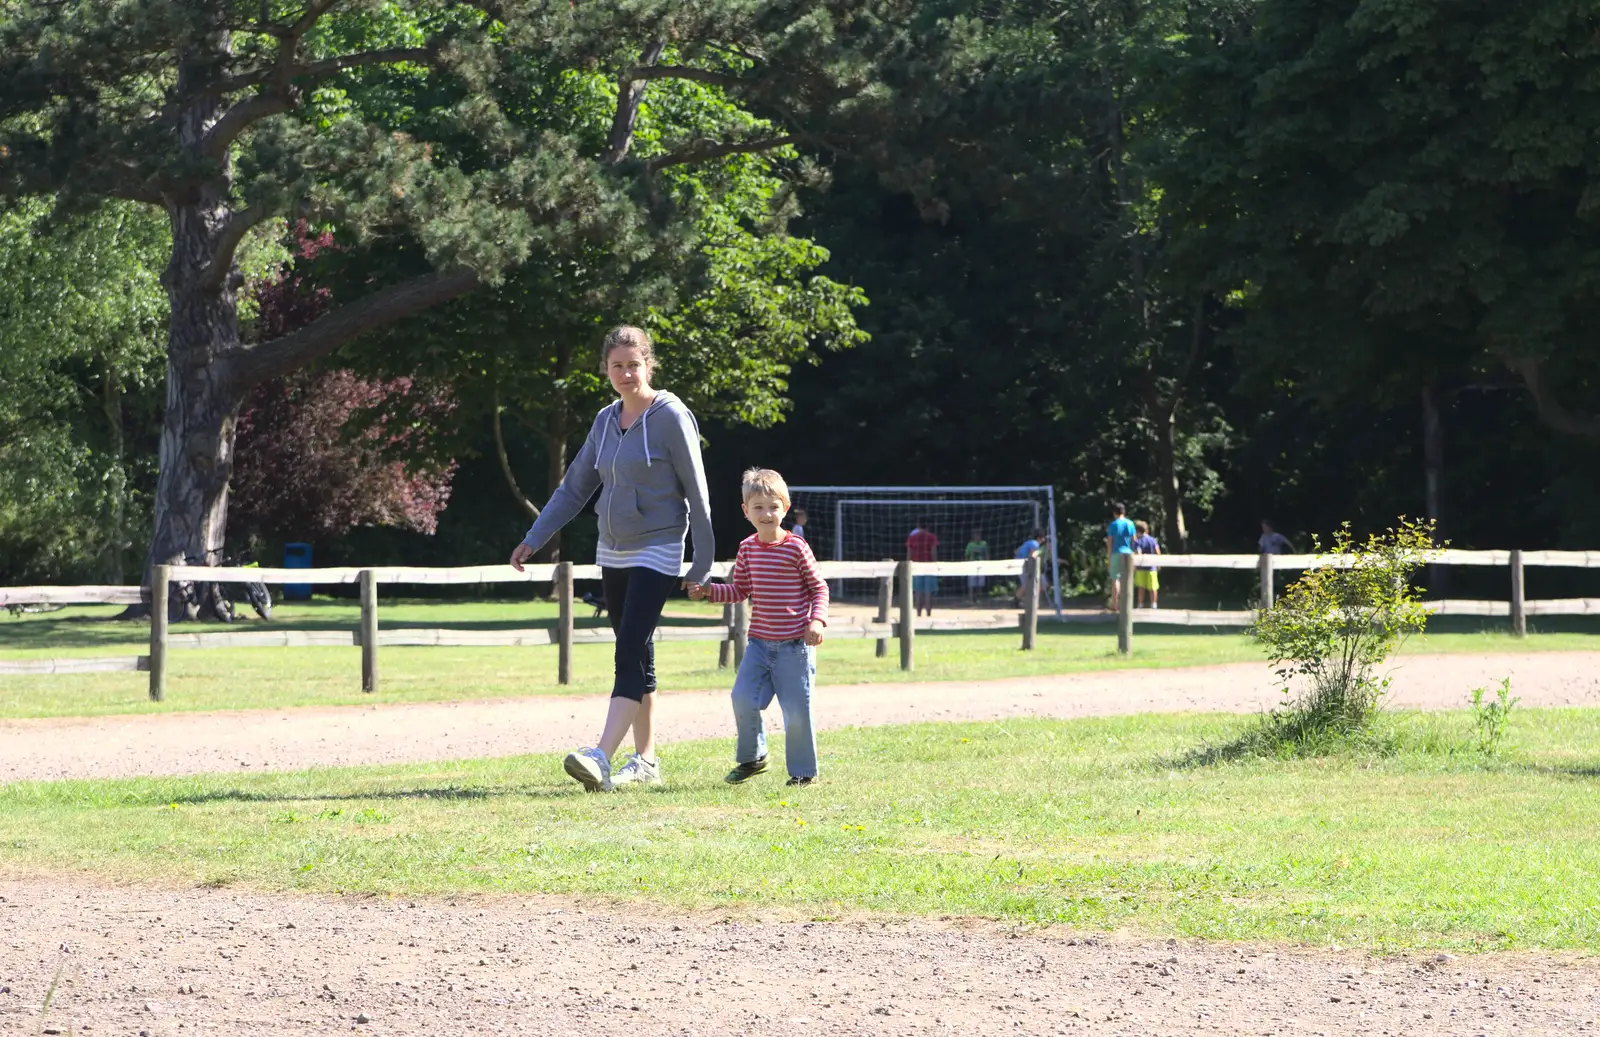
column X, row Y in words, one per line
column 321, row 452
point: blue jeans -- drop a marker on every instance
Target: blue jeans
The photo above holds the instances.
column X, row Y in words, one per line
column 785, row 669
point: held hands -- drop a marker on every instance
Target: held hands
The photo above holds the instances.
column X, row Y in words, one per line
column 697, row 591
column 521, row 553
column 814, row 633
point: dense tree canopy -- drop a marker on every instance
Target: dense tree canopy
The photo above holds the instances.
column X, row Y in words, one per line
column 228, row 114
column 1219, row 259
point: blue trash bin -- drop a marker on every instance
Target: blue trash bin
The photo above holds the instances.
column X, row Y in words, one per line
column 297, row 556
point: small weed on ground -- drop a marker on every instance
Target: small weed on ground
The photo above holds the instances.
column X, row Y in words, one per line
column 1489, row 718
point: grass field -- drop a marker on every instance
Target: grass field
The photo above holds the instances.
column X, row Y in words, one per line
column 250, row 678
column 1086, row 822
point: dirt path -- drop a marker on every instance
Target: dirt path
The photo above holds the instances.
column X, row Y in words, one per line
column 161, row 964
column 82, row 958
column 191, row 743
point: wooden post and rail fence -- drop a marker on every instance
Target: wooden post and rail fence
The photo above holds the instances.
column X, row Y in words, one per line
column 895, row 617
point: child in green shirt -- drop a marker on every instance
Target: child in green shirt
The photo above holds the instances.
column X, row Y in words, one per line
column 977, row 551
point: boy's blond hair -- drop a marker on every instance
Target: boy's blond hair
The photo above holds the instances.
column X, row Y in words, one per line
column 764, row 481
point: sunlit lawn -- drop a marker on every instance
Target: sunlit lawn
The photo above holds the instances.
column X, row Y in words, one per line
column 1086, row 822
column 246, row 678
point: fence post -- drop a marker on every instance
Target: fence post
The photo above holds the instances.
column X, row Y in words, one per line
column 885, row 603
column 1264, row 570
column 564, row 622
column 1125, row 606
column 369, row 630
column 1519, row 610
column 741, row 631
column 908, row 630
column 160, row 582
column 1030, row 602
column 725, row 648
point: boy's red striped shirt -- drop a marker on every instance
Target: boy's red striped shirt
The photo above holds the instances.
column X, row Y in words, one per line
column 781, row 580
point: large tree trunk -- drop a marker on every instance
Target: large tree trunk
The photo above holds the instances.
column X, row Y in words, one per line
column 197, row 434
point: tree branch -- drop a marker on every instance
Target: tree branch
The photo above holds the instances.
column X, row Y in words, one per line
column 221, row 262
column 701, row 151
column 630, row 92
column 650, row 70
column 313, row 14
column 1550, row 410
column 370, row 57
column 240, row 117
column 252, row 365
column 505, row 461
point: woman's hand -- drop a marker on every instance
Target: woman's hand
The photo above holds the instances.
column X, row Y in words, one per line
column 814, row 633
column 521, row 553
column 697, row 591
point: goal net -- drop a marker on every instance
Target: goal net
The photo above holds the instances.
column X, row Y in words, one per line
column 871, row 523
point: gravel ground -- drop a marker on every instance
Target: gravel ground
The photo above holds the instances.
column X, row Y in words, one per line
column 291, row 739
column 153, row 962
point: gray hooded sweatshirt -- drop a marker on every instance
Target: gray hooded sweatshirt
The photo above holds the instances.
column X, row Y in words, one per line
column 651, row 480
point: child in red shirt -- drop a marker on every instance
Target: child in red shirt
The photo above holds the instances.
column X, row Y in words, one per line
column 789, row 609
column 923, row 546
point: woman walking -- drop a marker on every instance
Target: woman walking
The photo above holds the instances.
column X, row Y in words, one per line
column 643, row 455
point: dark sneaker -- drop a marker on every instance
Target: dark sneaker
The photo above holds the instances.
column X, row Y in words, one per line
column 809, row 779
column 745, row 771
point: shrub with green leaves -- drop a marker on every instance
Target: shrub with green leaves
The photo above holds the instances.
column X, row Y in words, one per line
column 1336, row 625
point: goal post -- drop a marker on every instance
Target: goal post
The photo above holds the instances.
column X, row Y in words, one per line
column 871, row 523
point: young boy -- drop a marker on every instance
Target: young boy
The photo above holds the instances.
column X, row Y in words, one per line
column 1146, row 582
column 923, row 546
column 977, row 550
column 1119, row 542
column 789, row 609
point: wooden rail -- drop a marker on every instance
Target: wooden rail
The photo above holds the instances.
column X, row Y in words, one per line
column 895, row 617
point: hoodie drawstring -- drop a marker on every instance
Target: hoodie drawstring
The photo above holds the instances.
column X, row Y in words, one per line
column 602, row 450
column 644, row 429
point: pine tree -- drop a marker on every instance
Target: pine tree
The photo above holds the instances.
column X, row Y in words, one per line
column 226, row 114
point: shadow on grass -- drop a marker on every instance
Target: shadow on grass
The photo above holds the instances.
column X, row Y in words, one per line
column 1289, row 735
column 247, row 796
column 441, row 794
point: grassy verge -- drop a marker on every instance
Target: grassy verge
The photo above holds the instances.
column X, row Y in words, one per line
column 253, row 678
column 1083, row 822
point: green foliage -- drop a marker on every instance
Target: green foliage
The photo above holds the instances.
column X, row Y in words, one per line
column 1489, row 718
column 732, row 299
column 1401, row 192
column 458, row 141
column 81, row 334
column 1335, row 625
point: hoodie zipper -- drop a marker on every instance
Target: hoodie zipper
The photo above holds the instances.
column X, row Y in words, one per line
column 621, row 433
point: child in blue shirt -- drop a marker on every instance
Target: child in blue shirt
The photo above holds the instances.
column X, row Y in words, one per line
column 1119, row 541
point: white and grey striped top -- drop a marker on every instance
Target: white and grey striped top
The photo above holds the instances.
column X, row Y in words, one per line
column 666, row 558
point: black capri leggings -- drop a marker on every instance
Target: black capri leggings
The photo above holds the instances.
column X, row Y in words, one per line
column 634, row 600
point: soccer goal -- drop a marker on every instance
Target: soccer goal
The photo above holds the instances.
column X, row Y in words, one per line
column 871, row 523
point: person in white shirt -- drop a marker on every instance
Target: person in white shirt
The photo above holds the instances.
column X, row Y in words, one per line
column 799, row 527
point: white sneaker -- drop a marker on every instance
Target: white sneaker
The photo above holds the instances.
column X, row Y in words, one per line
column 591, row 767
column 637, row 770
